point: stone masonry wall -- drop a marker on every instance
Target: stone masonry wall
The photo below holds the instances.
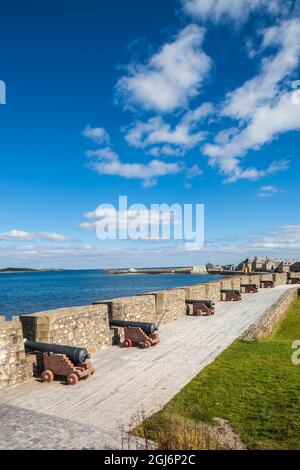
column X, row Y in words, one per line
column 14, row 366
column 195, row 292
column 85, row 327
column 170, row 305
column 135, row 308
column 266, row 277
column 236, row 283
column 255, row 279
column 280, row 279
column 266, row 324
column 212, row 291
column 294, row 275
column 226, row 284
column 246, row 279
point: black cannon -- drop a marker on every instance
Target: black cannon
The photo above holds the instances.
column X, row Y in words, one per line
column 148, row 328
column 74, row 354
column 200, row 307
column 249, row 288
column 230, row 295
column 294, row 280
column 145, row 334
column 65, row 361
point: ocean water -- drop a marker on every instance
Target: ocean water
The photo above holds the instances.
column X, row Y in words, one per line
column 22, row 293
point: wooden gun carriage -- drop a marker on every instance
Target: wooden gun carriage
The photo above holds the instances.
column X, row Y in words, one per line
column 200, row 307
column 249, row 288
column 63, row 361
column 137, row 333
column 230, row 295
column 266, row 284
column 294, row 280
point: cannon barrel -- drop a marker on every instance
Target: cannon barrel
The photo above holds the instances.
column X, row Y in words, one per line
column 149, row 328
column 248, row 285
column 208, row 303
column 74, row 354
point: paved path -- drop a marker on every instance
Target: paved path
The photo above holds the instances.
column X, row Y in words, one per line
column 127, row 382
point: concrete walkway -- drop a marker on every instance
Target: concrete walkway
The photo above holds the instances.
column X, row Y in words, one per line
column 127, row 382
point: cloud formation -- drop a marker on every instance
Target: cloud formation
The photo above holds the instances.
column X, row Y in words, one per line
column 106, row 162
column 170, row 77
column 263, row 106
column 167, row 140
column 97, row 134
column 231, row 10
column 21, row 235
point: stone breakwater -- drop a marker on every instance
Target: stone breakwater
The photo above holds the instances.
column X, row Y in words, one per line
column 88, row 326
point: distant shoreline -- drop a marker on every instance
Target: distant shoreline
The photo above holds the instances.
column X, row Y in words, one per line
column 26, row 270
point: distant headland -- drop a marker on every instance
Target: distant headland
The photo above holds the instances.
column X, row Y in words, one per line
column 26, row 270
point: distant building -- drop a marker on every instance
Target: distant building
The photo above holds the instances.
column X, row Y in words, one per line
column 295, row 267
column 285, row 266
column 245, row 266
column 213, row 267
column 199, row 269
column 259, row 263
column 263, row 263
column 229, row 267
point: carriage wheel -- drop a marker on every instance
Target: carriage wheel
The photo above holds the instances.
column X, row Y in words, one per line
column 127, row 343
column 47, row 376
column 147, row 344
column 72, row 379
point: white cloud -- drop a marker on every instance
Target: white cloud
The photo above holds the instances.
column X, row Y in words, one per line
column 21, row 235
column 193, row 171
column 156, row 131
column 253, row 174
column 266, row 123
column 167, row 151
column 174, row 141
column 231, row 10
column 263, row 106
column 107, row 162
column 171, row 76
column 53, row 236
column 282, row 241
column 267, row 191
column 283, row 238
column 17, row 235
column 96, row 134
column 264, row 88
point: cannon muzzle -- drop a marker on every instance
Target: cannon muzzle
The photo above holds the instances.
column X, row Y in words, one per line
column 149, row 328
column 74, row 354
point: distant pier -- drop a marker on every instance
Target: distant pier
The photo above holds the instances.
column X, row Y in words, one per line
column 170, row 270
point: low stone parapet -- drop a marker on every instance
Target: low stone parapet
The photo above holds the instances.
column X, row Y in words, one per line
column 255, row 279
column 85, row 327
column 280, row 279
column 213, row 291
column 195, row 292
column 169, row 305
column 14, row 366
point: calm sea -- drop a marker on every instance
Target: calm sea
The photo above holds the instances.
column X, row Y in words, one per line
column 33, row 292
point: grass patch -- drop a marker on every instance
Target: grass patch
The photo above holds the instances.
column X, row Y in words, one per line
column 254, row 386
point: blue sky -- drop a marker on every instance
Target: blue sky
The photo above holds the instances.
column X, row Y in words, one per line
column 180, row 101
